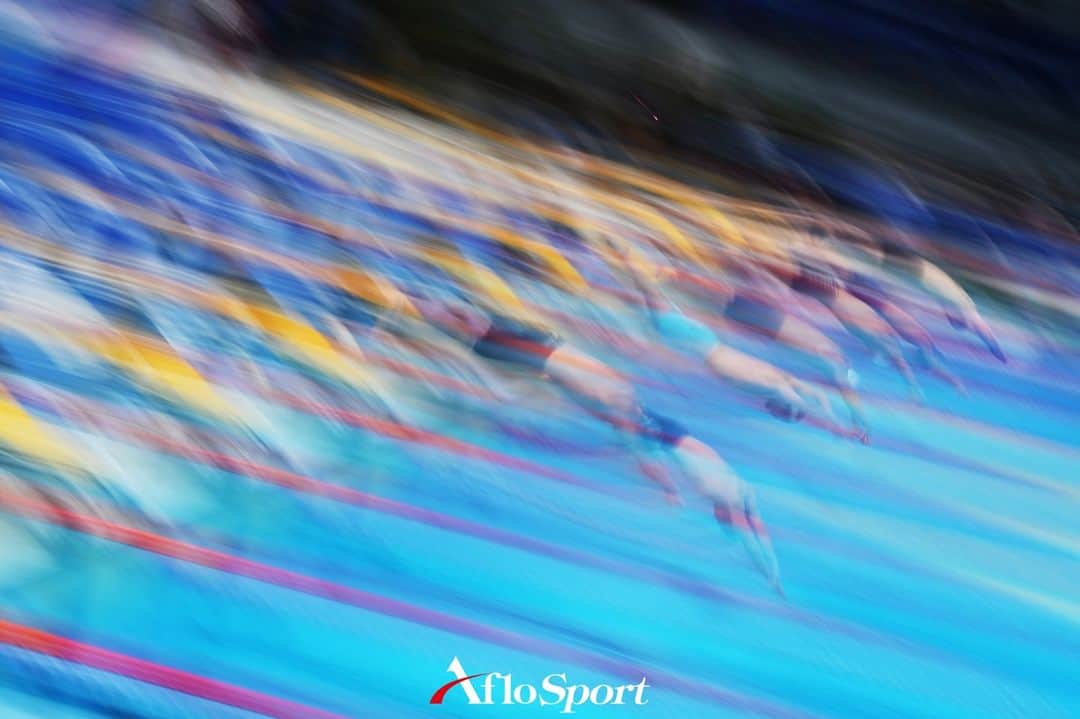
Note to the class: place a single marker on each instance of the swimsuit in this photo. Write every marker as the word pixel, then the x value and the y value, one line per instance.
pixel 898 249
pixel 662 429
pixel 868 289
pixel 816 279
pixel 683 333
pixel 763 316
pixel 517 342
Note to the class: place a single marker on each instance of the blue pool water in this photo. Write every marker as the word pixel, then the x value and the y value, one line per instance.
pixel 933 573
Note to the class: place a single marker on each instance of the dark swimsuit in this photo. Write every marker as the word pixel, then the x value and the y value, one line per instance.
pixel 816 279
pixel 901 249
pixel 760 314
pixel 662 429
pixel 867 289
pixel 516 342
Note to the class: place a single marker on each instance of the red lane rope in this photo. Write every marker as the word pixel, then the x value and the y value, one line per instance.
pixel 89 655
pixel 339 593
pixel 363 500
pixel 415 435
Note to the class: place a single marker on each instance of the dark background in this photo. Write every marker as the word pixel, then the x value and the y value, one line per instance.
pixel 987 90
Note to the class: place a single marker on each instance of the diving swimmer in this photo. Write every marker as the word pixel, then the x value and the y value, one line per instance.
pixel 604 393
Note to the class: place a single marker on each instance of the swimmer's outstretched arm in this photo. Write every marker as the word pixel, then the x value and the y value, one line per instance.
pixel 645 284
pixel 957 304
pixel 786 396
pixel 733 503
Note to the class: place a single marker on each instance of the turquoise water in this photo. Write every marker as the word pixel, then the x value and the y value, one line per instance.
pixel 933 573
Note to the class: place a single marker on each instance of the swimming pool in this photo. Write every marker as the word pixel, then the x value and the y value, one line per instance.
pixel 932 573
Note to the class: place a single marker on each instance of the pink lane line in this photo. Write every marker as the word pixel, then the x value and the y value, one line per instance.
pixel 296 482
pixel 69 650
pixel 232 564
pixel 414 435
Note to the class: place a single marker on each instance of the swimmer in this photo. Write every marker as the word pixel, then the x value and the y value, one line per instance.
pixel 956 304
pixel 871 292
pixel 892 247
pixel 604 393
pixel 785 396
pixel 883 196
pixel 809 274
pixel 758 304
pixel 892 250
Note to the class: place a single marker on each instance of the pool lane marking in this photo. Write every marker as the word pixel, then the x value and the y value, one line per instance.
pixel 38 641
pixel 414 435
pixel 474 274
pixel 347 495
pixel 298 337
pixel 226 563
pixel 296 482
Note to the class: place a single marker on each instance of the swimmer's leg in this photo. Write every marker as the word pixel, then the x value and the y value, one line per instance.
pixel 861 320
pixel 816 396
pixel 913 332
pixel 602 392
pixel 593 384
pixel 755 538
pixel 824 354
pixel 643 450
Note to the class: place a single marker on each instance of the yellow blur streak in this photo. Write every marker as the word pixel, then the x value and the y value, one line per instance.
pixel 23 433
pixel 561 268
pixel 659 186
pixel 297 339
pixel 162 369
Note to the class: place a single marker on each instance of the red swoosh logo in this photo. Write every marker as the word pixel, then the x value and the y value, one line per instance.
pixel 437 697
